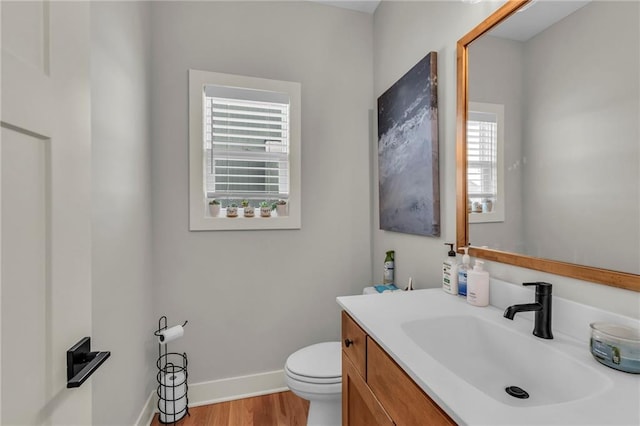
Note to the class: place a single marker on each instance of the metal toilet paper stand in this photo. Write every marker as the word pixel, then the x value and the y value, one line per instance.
pixel 173 402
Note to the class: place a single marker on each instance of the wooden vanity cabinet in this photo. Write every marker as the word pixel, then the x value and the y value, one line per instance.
pixel 360 407
pixel 354 344
pixel 376 391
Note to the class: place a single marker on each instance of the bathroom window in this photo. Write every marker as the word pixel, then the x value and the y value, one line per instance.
pixel 485 141
pixel 244 145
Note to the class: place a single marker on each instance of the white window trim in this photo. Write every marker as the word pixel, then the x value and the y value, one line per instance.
pixel 199 218
pixel 498 212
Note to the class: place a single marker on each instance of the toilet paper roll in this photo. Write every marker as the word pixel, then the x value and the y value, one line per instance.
pixel 174 384
pixel 170 334
pixel 170 411
pixel 173 397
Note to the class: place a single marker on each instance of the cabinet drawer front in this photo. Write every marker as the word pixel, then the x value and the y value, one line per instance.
pixel 405 402
pixel 359 406
pixel 354 344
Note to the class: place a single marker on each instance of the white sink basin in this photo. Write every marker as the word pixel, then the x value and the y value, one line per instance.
pixel 463 357
pixel 491 357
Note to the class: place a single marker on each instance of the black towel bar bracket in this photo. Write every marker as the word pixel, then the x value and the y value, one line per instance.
pixel 82 363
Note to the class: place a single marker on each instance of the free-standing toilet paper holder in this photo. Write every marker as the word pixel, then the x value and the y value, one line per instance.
pixel 173 402
pixel 82 363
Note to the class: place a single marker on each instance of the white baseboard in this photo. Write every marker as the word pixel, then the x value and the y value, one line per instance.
pixel 222 390
pixel 236 388
pixel 146 415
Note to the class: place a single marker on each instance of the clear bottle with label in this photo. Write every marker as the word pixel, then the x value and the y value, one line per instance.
pixel 463 269
pixel 478 285
pixel 450 271
pixel 389 267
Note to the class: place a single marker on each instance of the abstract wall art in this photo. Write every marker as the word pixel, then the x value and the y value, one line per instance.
pixel 409 181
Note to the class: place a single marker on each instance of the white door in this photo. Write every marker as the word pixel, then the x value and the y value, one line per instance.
pixel 45 259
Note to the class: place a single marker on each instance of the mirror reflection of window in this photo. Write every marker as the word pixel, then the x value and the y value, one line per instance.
pixel 485 141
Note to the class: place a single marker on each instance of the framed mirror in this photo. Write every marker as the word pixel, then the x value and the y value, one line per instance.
pixel 548 139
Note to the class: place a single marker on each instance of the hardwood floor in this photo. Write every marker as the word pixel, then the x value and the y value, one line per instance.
pixel 276 409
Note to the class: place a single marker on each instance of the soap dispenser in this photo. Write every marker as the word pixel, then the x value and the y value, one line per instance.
pixel 463 269
pixel 450 271
pixel 478 285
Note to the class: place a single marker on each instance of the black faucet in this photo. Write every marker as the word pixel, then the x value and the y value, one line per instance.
pixel 542 308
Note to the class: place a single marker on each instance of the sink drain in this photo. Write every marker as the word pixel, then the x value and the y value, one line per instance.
pixel 517 392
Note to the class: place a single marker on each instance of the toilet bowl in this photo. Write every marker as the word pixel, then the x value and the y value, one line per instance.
pixel 314 373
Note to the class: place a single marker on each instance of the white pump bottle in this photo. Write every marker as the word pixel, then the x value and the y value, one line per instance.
pixel 478 285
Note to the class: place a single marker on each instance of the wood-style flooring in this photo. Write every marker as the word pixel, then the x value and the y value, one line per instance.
pixel 276 409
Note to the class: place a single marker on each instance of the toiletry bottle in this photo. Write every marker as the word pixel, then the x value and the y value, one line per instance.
pixel 450 272
pixel 463 269
pixel 389 267
pixel 478 285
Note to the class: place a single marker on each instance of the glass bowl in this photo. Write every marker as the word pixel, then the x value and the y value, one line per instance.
pixel 616 346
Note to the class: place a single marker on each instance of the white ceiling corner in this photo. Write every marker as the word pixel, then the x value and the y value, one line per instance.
pixel 367 6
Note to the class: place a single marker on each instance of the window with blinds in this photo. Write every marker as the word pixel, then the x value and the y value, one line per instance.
pixel 482 156
pixel 246 141
pixel 485 170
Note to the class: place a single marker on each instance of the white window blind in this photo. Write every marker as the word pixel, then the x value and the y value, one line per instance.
pixel 482 156
pixel 247 145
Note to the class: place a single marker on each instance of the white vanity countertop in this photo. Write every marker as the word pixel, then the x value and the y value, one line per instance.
pixel 381 316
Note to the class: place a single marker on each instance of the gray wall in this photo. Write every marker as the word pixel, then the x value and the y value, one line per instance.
pixel 121 210
pixel 254 297
pixel 403 33
pixel 495 76
pixel 582 132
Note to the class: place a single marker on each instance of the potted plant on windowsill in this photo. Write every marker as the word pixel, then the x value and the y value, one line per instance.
pixel 232 210
pixel 265 209
pixel 214 208
pixel 247 209
pixel 281 207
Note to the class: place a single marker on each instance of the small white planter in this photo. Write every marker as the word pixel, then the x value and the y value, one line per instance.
pixel 265 211
pixel 232 211
pixel 214 210
pixel 281 209
pixel 248 211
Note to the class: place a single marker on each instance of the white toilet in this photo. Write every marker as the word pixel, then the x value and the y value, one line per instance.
pixel 315 374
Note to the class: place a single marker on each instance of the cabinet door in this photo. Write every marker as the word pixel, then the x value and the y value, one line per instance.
pixel 359 406
pixel 354 344
pixel 405 402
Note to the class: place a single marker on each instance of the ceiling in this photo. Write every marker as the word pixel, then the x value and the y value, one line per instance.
pixel 535 18
pixel 368 6
pixel 522 26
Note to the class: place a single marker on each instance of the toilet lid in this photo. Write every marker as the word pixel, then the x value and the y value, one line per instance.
pixel 322 360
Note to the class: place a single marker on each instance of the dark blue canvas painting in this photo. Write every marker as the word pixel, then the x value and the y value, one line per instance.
pixel 408 152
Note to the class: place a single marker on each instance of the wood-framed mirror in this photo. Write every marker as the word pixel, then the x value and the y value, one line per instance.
pixel 626 218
